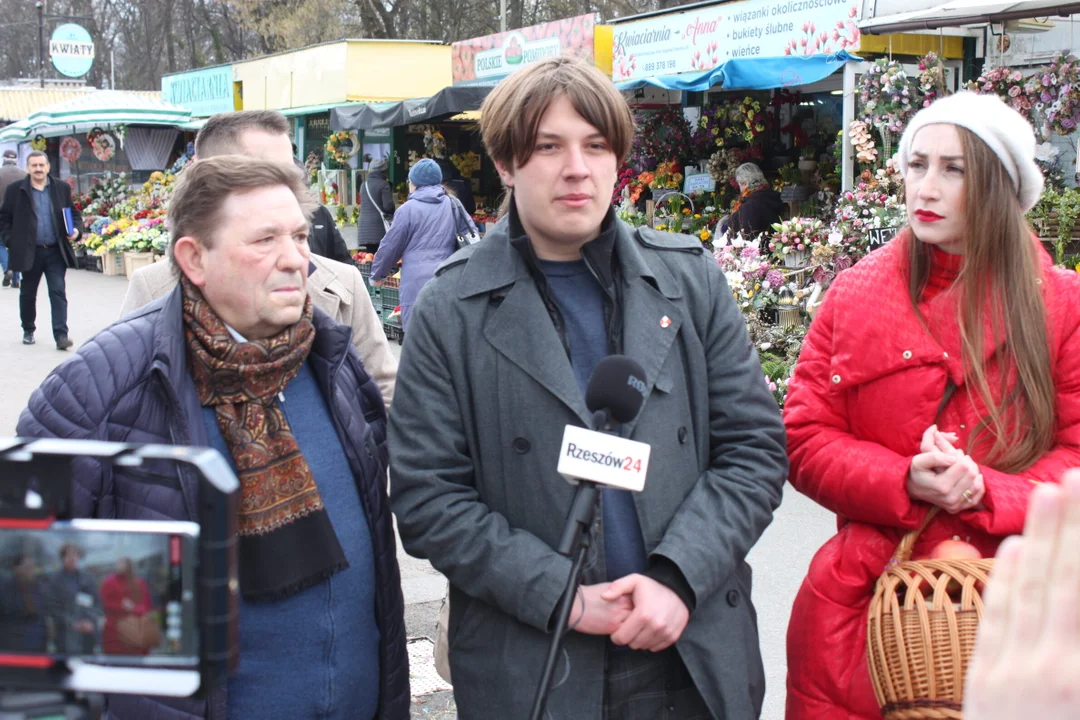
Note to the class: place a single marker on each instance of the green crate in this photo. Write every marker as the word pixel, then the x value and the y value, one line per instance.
pixel 391 298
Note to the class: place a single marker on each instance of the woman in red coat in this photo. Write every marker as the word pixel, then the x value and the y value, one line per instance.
pixel 126 600
pixel 942 370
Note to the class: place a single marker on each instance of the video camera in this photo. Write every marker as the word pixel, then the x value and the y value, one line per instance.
pixel 111 606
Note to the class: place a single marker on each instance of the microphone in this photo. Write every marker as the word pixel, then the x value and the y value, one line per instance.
pixel 590 459
pixel 617 385
pixel 615 394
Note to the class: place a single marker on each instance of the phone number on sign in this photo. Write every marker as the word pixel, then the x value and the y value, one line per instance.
pixel 659 65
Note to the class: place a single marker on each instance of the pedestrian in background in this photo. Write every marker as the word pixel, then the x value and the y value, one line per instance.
pixel 424 234
pixel 10 172
pixel 34 219
pixel 942 372
pixel 126 601
pixel 72 605
pixel 376 207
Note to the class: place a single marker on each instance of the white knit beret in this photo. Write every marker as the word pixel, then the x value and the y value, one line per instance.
pixel 1003 129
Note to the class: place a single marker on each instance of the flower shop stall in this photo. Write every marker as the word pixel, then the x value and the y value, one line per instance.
pixel 440 127
pixel 105 131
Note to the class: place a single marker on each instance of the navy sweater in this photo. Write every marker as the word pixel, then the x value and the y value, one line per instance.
pixel 581 301
pixel 315 653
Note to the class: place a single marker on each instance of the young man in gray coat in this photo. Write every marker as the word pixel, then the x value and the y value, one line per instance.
pixel 500 348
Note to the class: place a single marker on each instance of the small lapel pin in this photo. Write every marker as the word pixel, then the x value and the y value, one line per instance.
pixel 665 322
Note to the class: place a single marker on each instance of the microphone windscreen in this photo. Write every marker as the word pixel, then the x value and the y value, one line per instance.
pixel 617 384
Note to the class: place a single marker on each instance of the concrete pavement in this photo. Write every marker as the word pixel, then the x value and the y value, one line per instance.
pixel 779 560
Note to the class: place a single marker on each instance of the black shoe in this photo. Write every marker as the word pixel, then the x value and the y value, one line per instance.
pixel 63 343
pixel 28 339
pixel 7 277
pixel 15 285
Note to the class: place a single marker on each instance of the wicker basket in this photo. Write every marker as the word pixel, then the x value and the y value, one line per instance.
pixel 921 632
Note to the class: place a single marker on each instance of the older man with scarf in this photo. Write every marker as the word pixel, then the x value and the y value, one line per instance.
pixel 237 358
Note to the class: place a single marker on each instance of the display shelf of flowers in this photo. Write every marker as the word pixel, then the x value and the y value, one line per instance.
pixel 132 233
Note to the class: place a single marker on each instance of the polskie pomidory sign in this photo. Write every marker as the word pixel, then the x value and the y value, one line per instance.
pixel 489 58
pixel 702 39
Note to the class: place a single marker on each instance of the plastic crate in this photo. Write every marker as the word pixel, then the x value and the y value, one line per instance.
pixel 391 298
pixel 365 269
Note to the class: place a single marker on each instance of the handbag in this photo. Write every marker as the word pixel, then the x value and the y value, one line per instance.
pixel 139 631
pixel 385 222
pixel 442 640
pixel 466 236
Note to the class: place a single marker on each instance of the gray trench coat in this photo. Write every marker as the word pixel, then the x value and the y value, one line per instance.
pixel 484 391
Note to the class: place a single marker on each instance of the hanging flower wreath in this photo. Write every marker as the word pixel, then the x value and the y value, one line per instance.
pixel 104 148
pixel 336 146
pixel 887 97
pixel 662 135
pixel 39 143
pixel 70 149
pixel 102 144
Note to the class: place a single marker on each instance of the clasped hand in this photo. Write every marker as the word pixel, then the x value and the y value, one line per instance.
pixel 943 475
pixel 636 611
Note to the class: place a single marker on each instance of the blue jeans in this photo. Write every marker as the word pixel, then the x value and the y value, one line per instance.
pixel 48 261
pixel 4 261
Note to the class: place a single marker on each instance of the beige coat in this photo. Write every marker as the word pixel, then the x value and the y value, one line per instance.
pixel 336 288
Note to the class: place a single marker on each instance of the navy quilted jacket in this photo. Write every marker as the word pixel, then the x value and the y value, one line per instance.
pixel 130 384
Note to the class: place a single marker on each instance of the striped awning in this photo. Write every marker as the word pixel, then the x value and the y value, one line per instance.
pixel 103 109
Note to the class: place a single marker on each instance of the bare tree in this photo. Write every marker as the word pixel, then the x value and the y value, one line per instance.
pixel 149 38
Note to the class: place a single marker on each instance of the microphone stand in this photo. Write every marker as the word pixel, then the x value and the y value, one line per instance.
pixel 576 540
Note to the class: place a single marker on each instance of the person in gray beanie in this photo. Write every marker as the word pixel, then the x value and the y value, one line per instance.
pixel 938 386
pixel 424 233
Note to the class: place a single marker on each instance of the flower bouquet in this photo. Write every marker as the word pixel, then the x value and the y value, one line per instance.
pixel 792 240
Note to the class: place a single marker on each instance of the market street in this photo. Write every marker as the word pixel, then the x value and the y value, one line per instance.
pixel 779 560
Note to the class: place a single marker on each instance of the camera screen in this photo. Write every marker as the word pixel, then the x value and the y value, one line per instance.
pixel 97 594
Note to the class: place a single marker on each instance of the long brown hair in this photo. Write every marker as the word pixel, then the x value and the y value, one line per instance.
pixel 1000 281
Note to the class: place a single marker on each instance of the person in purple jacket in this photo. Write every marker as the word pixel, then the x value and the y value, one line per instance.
pixel 423 235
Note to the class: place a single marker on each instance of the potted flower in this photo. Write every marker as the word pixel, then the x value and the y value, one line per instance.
pixel 793 240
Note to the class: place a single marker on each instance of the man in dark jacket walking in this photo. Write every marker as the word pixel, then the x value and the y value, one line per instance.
pixel 376 207
pixel 237 358
pixel 33 225
pixel 498 354
pixel 10 172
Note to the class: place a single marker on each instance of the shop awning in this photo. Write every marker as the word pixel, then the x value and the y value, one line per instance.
pixel 751 74
pixel 890 18
pixel 448 102
pixel 315 109
pixel 15 132
pixel 104 109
